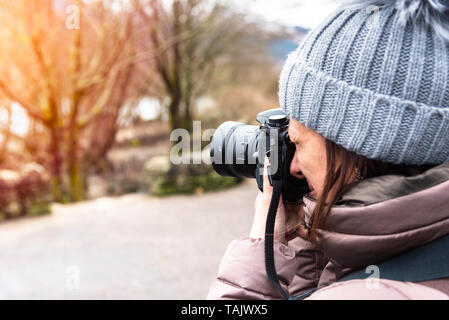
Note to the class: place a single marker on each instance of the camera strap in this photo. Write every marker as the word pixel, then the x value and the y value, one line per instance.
pixel 269 238
pixel 270 267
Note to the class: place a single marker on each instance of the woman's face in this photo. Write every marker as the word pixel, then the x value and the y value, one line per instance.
pixel 309 161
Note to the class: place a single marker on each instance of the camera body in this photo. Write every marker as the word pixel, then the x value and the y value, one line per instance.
pixel 239 150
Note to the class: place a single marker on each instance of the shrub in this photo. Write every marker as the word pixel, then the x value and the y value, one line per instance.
pixel 163 180
pixel 25 192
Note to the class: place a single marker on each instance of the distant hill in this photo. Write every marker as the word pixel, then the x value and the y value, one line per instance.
pixel 302 30
pixel 281 47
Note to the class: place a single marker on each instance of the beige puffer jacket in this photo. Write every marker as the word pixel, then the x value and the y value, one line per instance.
pixel 377 219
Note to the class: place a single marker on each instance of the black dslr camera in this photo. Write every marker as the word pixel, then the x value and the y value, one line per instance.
pixel 239 150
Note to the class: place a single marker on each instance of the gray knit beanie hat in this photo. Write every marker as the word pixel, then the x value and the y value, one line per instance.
pixel 374 78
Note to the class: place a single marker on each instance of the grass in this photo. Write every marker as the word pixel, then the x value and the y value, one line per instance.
pixel 37 208
pixel 165 186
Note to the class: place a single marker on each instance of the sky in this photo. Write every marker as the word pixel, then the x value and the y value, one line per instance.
pixel 19 119
pixel 304 13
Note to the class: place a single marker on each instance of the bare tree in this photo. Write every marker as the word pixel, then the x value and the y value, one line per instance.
pixel 67 78
pixel 197 36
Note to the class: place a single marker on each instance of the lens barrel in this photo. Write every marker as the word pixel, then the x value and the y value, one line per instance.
pixel 234 149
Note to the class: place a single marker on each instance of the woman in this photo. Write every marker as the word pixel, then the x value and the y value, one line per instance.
pixel 368 96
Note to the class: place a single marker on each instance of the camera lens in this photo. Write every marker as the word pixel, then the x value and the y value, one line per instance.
pixel 234 149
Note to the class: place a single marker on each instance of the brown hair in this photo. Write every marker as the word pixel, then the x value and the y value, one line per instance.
pixel 344 169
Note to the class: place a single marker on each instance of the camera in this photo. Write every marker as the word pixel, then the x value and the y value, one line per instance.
pixel 239 150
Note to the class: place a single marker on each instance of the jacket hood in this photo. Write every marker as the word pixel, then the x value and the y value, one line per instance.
pixel 383 216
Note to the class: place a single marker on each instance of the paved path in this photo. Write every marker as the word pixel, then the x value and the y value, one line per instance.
pixel 130 247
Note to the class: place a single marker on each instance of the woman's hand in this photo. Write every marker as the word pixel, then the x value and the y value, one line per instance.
pixel 289 218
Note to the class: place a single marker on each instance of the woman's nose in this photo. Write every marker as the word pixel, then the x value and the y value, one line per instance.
pixel 295 169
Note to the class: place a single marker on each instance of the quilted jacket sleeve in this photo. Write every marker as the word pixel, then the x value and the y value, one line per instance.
pixel 242 275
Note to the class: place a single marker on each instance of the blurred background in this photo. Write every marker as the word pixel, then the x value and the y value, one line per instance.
pixel 91 207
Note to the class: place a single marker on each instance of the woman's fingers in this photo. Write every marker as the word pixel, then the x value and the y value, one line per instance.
pixel 302 232
pixel 290 217
pixel 295 222
pixel 267 188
